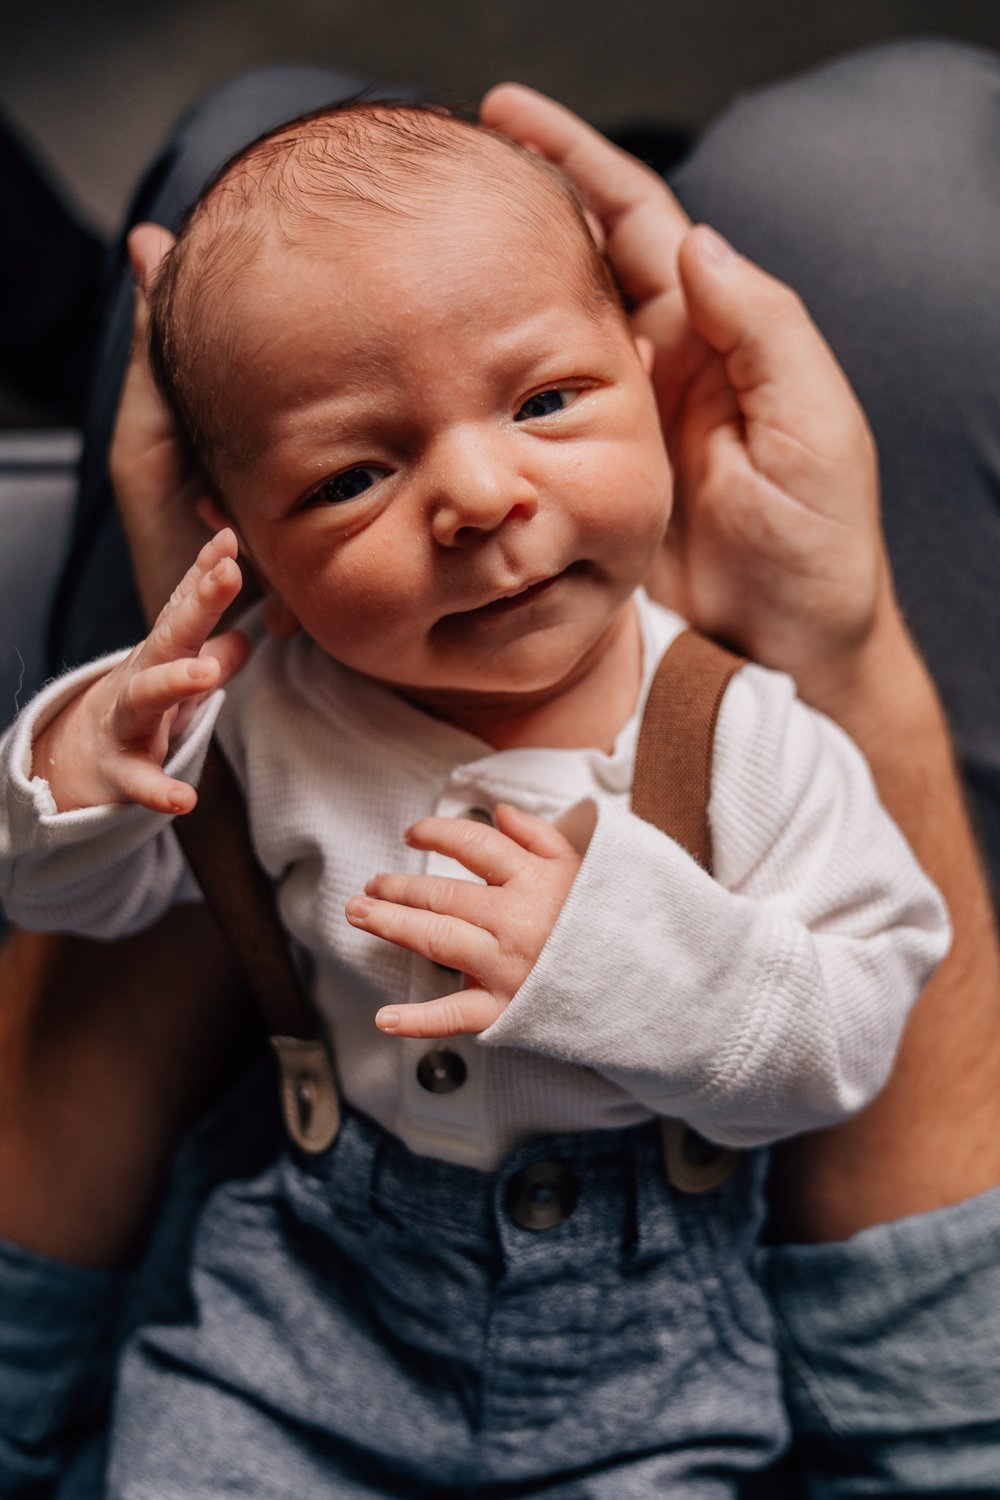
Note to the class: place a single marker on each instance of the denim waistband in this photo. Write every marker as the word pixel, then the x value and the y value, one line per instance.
pixel 616 1179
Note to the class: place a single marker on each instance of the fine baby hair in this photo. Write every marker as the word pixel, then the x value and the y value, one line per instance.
pixel 350 167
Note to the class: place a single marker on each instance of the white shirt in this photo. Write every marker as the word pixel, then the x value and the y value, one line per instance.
pixel 764 1001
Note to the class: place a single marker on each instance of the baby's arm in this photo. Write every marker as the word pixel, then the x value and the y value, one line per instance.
pixel 752 1011
pixel 68 854
pixel 109 743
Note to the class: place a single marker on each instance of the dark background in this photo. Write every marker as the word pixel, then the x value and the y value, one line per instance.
pixel 95 83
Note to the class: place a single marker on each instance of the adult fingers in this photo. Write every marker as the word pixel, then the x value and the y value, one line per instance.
pixel 453 1015
pixel 782 371
pixel 642 219
pixel 148 245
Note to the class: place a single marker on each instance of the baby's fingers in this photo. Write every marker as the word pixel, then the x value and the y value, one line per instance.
pixel 147 695
pixel 139 780
pixel 452 1015
pixel 532 833
pixel 197 604
pixel 447 941
pixel 465 899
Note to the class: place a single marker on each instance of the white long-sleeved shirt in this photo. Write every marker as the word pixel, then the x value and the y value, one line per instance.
pixel 764 1001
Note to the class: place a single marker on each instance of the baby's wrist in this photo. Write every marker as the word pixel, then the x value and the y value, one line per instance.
pixel 57 760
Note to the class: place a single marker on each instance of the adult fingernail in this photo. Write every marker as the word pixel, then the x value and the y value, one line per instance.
pixel 712 248
pixel 387 1020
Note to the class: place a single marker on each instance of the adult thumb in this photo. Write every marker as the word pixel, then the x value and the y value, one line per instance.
pixel 776 359
pixel 147 246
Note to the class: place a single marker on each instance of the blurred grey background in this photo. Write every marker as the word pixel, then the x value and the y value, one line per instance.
pixel 96 83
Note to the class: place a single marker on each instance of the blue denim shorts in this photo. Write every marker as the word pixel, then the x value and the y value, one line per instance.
pixel 374 1323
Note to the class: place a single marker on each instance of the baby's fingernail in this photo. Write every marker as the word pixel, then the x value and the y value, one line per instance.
pixel 387 1020
pixel 712 248
pixel 357 907
pixel 198 671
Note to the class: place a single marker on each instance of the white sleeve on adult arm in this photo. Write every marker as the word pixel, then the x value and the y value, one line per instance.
pixel 768 1000
pixel 99 871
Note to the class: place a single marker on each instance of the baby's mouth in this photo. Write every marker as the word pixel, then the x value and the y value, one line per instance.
pixel 519 598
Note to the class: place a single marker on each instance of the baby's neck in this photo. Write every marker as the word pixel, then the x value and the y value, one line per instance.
pixel 588 711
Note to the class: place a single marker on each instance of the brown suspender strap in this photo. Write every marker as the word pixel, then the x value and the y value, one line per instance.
pixel 673 759
pixel 671 784
pixel 216 842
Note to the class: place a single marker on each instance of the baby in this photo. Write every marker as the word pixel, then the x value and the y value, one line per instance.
pixel 400 359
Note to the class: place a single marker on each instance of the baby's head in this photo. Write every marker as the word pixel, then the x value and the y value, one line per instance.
pixel 402 362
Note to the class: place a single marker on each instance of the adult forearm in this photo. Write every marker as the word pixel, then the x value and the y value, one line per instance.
pixel 932 1137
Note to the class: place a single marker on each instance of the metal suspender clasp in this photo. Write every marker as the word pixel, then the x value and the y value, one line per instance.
pixel 309 1099
pixel 693 1164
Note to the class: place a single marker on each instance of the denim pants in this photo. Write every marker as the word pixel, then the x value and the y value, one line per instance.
pixel 373 1323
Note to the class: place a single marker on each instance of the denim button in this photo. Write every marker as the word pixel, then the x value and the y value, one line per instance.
pixel 542 1195
pixel 441 1071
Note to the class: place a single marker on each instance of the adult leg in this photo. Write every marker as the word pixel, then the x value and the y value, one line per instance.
pixel 870 186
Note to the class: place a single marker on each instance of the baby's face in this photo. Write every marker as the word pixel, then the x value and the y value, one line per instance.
pixel 445 458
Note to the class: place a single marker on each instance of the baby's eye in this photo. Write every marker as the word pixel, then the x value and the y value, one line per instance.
pixel 349 484
pixel 544 404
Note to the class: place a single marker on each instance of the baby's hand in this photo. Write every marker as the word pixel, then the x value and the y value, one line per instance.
pixel 491 933
pixel 109 743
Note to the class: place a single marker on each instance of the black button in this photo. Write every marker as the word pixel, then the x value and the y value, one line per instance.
pixel 479 815
pixel 441 1072
pixel 542 1196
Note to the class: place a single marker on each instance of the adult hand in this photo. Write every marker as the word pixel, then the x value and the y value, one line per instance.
pixel 156 484
pixel 775 543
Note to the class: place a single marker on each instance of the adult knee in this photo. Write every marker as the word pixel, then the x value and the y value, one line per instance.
pixel 886 156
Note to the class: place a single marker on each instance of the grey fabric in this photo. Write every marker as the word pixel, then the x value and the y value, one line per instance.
pixel 37 494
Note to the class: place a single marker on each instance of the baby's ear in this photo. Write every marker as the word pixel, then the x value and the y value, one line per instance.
pixel 215 518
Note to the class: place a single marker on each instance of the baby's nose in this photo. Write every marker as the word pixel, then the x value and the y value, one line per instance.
pixel 474 490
